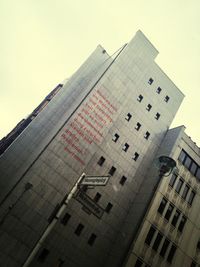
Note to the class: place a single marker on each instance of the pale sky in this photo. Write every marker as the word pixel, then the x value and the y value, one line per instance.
pixel 45 41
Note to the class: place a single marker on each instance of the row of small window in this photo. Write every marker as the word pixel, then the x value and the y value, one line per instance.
pixel 189 163
pixel 166 209
pixel 187 193
pixel 149 106
pixel 154 239
pixel 158 90
pixel 112 170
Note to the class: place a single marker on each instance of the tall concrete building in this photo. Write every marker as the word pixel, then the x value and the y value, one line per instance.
pixel 109 118
pixel 169 233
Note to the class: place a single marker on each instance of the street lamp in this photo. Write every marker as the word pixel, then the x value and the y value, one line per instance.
pixel 165 165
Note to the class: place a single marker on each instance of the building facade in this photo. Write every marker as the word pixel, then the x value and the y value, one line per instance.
pixel 169 234
pixel 109 118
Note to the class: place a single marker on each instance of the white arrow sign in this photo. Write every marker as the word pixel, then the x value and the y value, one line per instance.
pixel 95 180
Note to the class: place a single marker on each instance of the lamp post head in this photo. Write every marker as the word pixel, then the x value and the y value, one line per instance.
pixel 165 165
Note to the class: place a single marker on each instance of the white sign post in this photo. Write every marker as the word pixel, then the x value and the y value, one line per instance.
pixel 95 180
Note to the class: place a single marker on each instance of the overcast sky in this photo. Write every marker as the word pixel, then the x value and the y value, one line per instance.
pixel 45 41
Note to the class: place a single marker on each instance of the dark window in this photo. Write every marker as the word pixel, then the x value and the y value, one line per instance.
pixel 158 90
pixel 157 116
pixel 169 212
pixel 140 97
pixel 115 137
pixel 164 248
pixel 123 180
pixel 166 98
pixel 157 241
pixel 92 239
pixel 162 206
pixel 135 156
pixel 150 235
pixel 97 197
pixel 101 161
pixel 148 107
pixel 128 117
pixel 191 197
pixel 125 147
pixel 65 218
pixel 198 173
pixel 193 168
pixel 112 170
pixel 150 81
pixel 108 207
pixel 175 218
pixel 182 223
pixel 138 125
pixel 171 253
pixel 146 136
pixel 179 185
pixel 138 263
pixel 43 255
pixel 185 191
pixel 173 179
pixel 79 229
pixel 182 156
pixel 188 162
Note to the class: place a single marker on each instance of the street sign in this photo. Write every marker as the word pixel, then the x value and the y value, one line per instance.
pixel 89 204
pixel 95 180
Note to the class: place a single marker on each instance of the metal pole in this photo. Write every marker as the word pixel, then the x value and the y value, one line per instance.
pixel 53 222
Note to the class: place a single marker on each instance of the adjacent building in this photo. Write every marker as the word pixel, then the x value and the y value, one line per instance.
pixel 112 117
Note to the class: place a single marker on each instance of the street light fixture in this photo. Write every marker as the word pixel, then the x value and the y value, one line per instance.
pixel 165 165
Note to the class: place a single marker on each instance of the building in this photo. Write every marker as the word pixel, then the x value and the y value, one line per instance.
pixel 110 117
pixel 169 234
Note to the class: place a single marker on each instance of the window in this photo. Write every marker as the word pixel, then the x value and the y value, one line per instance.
pixel 146 136
pixel 101 161
pixel 179 185
pixel 112 170
pixel 191 197
pixel 43 255
pixel 182 223
pixel 139 99
pixel 138 125
pixel 150 235
pixel 123 180
pixel 148 107
pixel 150 81
pixel 182 156
pixel 79 229
pixel 171 253
pixel 135 156
pixel 193 168
pixel 125 147
pixel 185 191
pixel 158 90
pixel 162 206
pixel 92 239
pixel 97 197
pixel 175 218
pixel 166 98
pixel 164 247
pixel 157 241
pixel 157 116
pixel 198 244
pixel 128 117
pixel 65 218
pixel 188 162
pixel 138 263
pixel 198 173
pixel 108 207
pixel 115 137
pixel 193 264
pixel 173 179
pixel 169 212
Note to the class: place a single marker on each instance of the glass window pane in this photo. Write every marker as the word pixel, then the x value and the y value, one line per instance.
pixel 193 168
pixel 169 212
pixel 179 185
pixel 162 206
pixel 182 223
pixel 171 253
pixel 173 179
pixel 157 241
pixel 182 156
pixel 185 191
pixel 150 235
pixel 164 247
pixel 187 162
pixel 191 197
pixel 198 173
pixel 175 218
